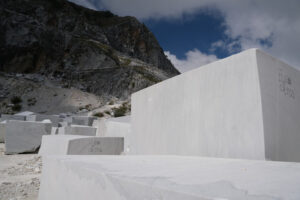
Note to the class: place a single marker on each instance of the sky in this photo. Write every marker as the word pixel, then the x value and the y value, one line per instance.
pixel 196 32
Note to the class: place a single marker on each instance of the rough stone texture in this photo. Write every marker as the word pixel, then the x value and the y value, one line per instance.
pixel 94 51
pixel 81 145
pixel 77 130
pixel 244 106
pixel 167 177
pixel 24 137
pixel 19 176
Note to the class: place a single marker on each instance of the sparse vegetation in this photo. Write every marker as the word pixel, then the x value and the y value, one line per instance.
pixel 16 100
pixel 120 111
pixel 31 101
pixel 111 102
pixel 17 107
pixel 99 114
pixel 107 112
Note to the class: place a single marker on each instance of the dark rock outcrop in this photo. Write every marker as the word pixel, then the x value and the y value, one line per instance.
pixel 95 51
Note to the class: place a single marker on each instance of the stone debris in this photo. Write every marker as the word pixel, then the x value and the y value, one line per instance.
pixel 19 176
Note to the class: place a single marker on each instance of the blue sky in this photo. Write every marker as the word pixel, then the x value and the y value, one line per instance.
pixel 196 32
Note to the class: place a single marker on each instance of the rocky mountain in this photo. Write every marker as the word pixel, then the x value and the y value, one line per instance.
pixel 74 47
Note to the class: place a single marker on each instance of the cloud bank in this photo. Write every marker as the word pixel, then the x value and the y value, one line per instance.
pixel 271 25
pixel 194 59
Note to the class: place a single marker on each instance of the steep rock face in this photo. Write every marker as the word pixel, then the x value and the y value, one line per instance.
pixel 94 51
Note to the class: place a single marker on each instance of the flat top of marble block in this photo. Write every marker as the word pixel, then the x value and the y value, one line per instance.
pixel 197 176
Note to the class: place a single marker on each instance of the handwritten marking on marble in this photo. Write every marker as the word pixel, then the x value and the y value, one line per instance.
pixel 285 84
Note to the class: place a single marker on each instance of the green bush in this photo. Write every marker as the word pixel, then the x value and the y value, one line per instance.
pixel 121 111
pixel 99 114
pixel 16 100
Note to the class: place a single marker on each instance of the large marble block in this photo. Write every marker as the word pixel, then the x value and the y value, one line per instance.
pixel 12 117
pixel 83 120
pixel 244 106
pixel 81 145
pixel 24 136
pixel 114 127
pixel 167 177
pixel 77 130
pixel 55 119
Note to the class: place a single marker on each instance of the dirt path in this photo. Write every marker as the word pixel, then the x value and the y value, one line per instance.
pixel 19 176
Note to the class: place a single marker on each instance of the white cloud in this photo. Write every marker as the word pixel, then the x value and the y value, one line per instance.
pixel 194 59
pixel 86 4
pixel 247 22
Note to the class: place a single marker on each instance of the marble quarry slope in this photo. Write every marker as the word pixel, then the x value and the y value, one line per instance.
pixel 94 51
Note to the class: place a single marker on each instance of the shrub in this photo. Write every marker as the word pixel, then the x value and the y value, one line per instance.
pixel 16 100
pixel 31 102
pixel 121 111
pixel 107 112
pixel 99 114
pixel 16 107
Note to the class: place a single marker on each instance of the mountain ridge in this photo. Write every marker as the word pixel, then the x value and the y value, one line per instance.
pixel 94 51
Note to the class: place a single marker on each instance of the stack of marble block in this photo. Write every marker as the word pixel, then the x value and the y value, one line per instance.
pixel 227 130
pixel 28 132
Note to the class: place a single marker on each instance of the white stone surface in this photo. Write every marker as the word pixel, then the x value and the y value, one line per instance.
pixel 23 136
pixel 77 130
pixel 243 106
pixel 83 120
pixel 55 119
pixel 114 127
pixel 167 177
pixel 12 117
pixel 81 145
pixel 2 131
pixel 25 113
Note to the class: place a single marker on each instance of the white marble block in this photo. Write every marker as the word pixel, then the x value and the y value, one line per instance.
pixel 81 145
pixel 12 117
pixel 77 130
pixel 83 120
pixel 167 177
pixel 244 106
pixel 55 119
pixel 114 127
pixel 24 137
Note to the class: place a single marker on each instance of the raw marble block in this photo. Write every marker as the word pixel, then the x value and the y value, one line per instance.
pixel 167 177
pixel 12 117
pixel 83 120
pixel 24 136
pixel 244 106
pixel 81 145
pixel 77 130
pixel 55 119
pixel 114 127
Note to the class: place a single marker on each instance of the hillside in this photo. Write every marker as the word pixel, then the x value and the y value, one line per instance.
pixel 73 47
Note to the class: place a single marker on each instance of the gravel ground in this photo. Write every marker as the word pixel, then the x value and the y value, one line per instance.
pixel 19 176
